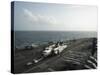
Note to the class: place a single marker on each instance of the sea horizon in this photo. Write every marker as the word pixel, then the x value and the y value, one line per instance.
pixel 39 37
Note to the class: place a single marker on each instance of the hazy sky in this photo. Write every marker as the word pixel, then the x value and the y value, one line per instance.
pixel 54 17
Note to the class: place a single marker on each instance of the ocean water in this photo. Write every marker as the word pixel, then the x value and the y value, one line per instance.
pixel 23 38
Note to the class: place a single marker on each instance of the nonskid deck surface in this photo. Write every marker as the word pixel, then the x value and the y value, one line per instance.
pixel 74 55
